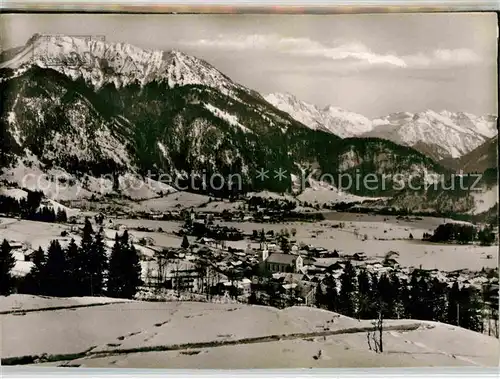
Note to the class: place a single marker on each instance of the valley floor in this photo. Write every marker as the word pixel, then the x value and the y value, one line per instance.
pixel 383 234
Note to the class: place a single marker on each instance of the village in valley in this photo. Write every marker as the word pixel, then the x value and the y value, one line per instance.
pixel 278 252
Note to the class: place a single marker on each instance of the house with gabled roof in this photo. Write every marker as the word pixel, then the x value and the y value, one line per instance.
pixel 278 262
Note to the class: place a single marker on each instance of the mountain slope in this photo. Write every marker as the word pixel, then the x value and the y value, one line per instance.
pixel 174 115
pixel 468 194
pixel 331 119
pixel 480 159
pixel 51 119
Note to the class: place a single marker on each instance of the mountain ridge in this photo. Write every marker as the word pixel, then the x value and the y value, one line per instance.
pixel 330 119
pixel 439 135
pixel 99 62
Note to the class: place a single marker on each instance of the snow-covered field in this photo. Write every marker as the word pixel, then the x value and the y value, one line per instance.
pixel 33 233
pixel 172 202
pixel 204 335
pixel 138 188
pixel 337 352
pixel 17 303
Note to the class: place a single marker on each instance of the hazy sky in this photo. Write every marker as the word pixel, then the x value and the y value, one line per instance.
pixel 371 64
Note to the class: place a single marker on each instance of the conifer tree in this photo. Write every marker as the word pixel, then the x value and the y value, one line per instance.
pixel 374 281
pixel 405 299
pixel 185 243
pixel 284 244
pixel 364 296
pixel 133 272
pixel 319 296
pixel 124 276
pixel 87 259
pixel 7 263
pixel 438 291
pixel 33 200
pixel 347 305
pixel 422 299
pixel 469 312
pixel 486 236
pixel 61 216
pixel 332 295
pixel 36 278
pixel 75 266
pixel 252 299
pixel 56 270
pixel 124 240
pixel 453 304
pixel 114 274
pixel 417 300
pixel 386 295
pixel 426 303
pixel 398 301
pixel 98 264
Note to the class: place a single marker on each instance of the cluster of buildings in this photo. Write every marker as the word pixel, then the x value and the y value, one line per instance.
pixel 210 266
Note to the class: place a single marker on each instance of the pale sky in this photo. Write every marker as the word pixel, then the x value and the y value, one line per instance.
pixel 371 64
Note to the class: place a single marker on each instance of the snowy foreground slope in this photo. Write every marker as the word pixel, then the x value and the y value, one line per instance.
pixel 204 335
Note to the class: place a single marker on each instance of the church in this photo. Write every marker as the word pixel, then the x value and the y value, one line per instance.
pixel 279 262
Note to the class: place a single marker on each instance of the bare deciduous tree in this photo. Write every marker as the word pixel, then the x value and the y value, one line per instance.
pixel 376 336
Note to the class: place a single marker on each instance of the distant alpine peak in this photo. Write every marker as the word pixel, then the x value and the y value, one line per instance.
pixel 445 133
pixel 439 134
pixel 332 119
pixel 100 62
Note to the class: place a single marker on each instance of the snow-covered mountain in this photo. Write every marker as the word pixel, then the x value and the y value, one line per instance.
pixel 99 62
pixel 331 119
pixel 438 134
pixel 109 112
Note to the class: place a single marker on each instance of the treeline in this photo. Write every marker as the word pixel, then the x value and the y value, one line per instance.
pixel 78 270
pixel 287 216
pixel 461 233
pixel 272 204
pixel 97 168
pixel 216 232
pixel 364 295
pixel 30 208
pixel 7 263
pixel 361 208
pixel 279 210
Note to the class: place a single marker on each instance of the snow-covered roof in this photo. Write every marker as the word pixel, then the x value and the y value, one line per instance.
pixel 279 258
